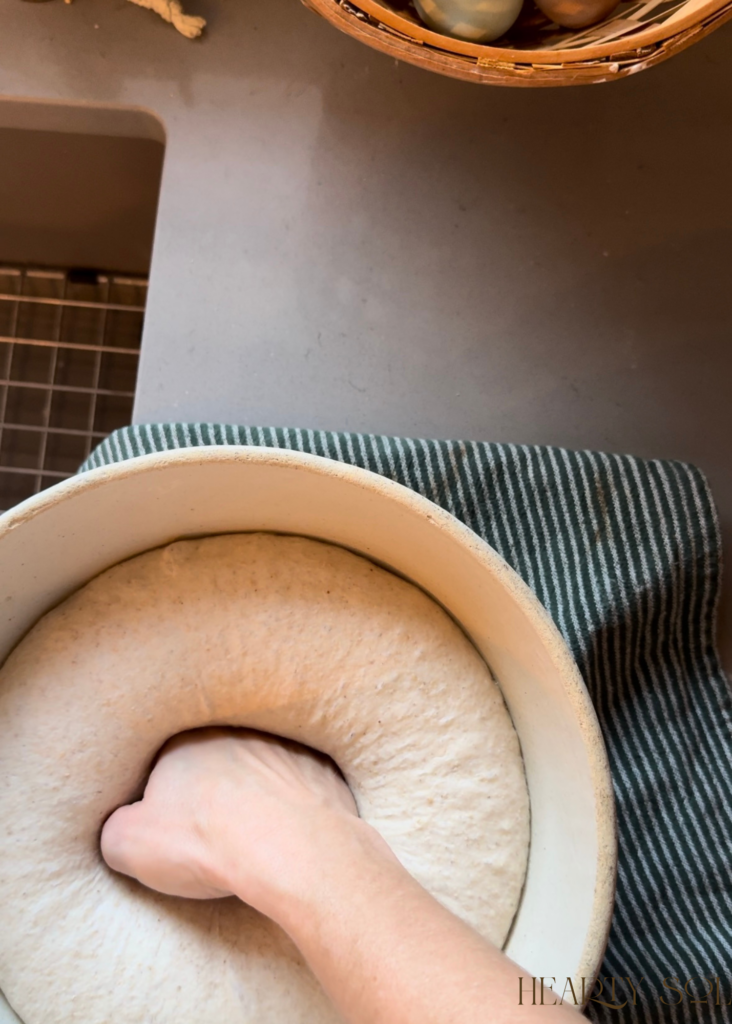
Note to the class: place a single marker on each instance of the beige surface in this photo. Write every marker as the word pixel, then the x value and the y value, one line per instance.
pixel 282 634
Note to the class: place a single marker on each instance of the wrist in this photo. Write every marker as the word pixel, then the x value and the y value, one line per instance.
pixel 334 855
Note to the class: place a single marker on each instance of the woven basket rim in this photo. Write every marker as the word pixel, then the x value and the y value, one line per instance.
pixel 629 44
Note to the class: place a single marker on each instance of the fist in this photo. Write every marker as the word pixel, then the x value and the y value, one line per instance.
pixel 227 811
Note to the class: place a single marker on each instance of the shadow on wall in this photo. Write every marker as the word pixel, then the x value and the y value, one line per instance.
pixel 78 186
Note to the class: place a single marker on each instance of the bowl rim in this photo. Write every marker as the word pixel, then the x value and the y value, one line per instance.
pixel 556 647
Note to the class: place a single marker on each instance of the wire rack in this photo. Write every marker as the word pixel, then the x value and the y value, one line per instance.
pixel 69 350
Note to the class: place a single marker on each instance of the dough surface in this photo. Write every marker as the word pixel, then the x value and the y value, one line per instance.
pixel 284 634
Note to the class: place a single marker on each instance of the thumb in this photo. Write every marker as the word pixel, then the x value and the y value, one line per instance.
pixel 120 838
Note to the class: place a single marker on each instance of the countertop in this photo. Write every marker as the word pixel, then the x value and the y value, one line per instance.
pixel 347 242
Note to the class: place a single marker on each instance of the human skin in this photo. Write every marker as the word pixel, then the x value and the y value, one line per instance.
pixel 233 812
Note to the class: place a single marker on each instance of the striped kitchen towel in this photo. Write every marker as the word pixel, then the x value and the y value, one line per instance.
pixel 625 555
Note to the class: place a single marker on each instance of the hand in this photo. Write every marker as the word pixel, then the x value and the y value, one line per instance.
pixel 228 810
pixel 234 812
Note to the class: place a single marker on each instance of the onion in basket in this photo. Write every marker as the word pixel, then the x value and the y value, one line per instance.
pixel 478 21
pixel 577 13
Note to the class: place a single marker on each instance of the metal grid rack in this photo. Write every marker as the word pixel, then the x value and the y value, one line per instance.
pixel 69 349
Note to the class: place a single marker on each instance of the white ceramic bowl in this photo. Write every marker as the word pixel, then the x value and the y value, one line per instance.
pixel 55 542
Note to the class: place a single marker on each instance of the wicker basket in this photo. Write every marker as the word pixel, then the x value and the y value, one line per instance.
pixel 535 52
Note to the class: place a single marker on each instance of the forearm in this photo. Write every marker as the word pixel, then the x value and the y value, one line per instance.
pixel 386 952
pixel 237 813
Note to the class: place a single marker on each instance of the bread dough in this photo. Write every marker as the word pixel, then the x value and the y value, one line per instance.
pixel 283 634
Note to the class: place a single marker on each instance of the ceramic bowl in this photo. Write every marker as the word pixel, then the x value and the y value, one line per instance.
pixel 55 542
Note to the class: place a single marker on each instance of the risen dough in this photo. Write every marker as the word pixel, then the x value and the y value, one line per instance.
pixel 283 634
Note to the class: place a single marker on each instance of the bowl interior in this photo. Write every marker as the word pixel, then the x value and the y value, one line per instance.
pixel 57 541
